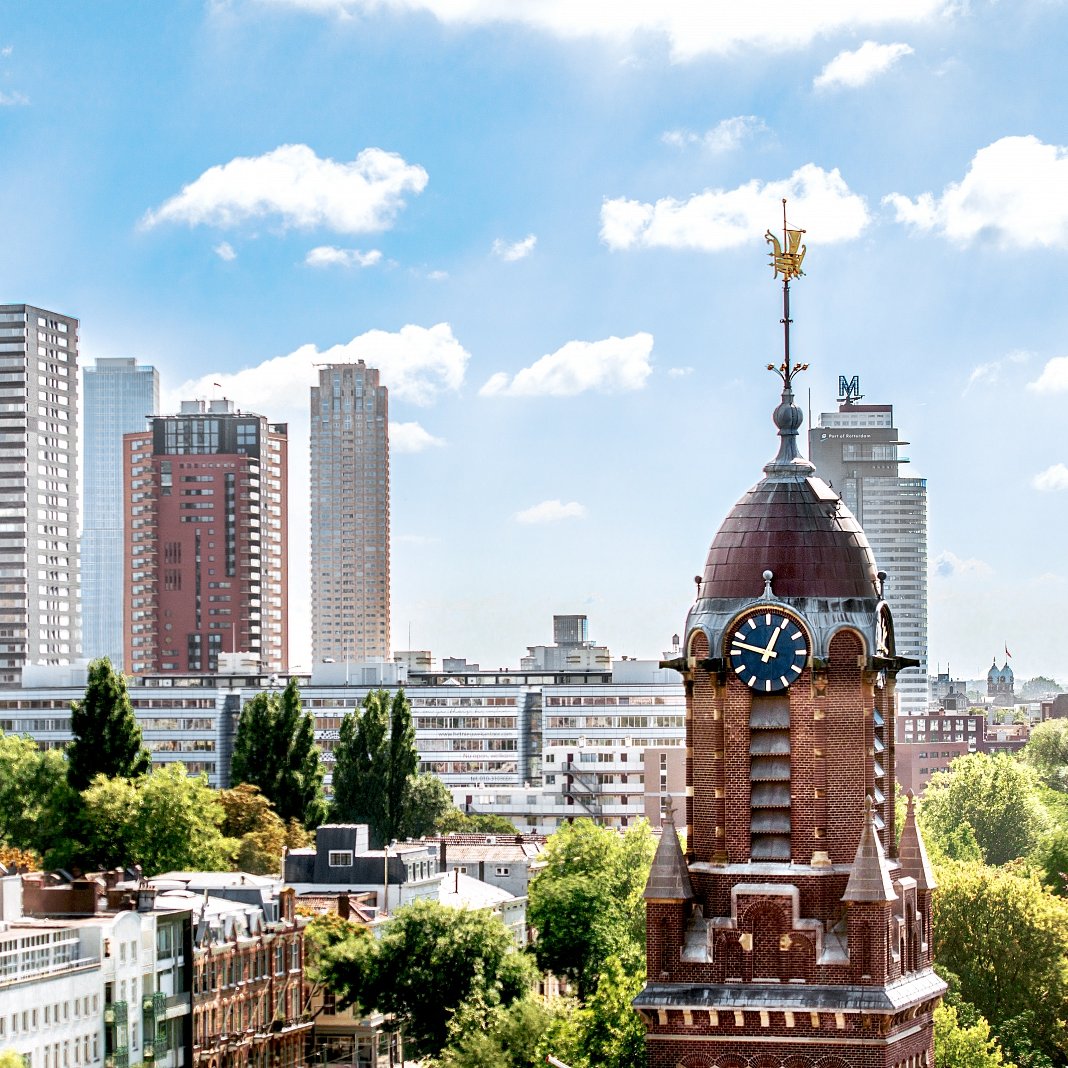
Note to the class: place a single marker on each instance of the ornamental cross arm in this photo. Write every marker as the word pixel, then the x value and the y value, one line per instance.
pixel 787 262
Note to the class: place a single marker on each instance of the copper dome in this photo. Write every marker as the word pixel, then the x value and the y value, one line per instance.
pixel 797 527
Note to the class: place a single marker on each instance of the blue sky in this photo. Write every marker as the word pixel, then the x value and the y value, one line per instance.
pixel 543 220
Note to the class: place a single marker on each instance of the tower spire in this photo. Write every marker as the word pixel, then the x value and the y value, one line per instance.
pixel 786 260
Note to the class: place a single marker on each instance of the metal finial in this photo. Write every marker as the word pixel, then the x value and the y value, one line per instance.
pixel 768 576
pixel 786 260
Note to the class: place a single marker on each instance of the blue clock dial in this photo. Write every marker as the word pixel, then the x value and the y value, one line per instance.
pixel 766 649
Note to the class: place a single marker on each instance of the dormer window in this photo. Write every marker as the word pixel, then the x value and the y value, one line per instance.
pixel 339 858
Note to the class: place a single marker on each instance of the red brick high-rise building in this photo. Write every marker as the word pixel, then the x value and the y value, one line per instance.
pixel 794 932
pixel 206 546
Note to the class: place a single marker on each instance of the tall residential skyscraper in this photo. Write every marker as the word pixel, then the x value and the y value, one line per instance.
pixel 40 609
pixel 349 514
pixel 857 450
pixel 206 565
pixel 119 398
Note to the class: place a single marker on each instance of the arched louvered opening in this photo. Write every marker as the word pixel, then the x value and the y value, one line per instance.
pixel 769 777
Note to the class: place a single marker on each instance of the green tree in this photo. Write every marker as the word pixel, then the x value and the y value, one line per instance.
pixel 1039 686
pixel 403 765
pixel 375 762
pixel 164 821
pixel 1006 940
pixel 35 799
pixel 1047 752
pixel 515 1036
pixel 994 795
pixel 107 736
pixel 274 749
pixel 429 803
pixel 612 1034
pixel 959 1046
pixel 456 822
pixel 256 830
pixel 586 903
pixel 430 962
pixel 10 1059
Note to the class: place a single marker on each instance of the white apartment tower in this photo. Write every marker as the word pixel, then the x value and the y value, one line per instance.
pixel 857 450
pixel 40 604
pixel 119 397
pixel 349 514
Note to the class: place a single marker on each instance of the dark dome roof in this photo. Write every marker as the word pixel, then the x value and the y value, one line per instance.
pixel 798 528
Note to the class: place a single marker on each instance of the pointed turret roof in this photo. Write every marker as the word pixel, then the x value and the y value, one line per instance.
pixel 869 880
pixel 911 851
pixel 669 877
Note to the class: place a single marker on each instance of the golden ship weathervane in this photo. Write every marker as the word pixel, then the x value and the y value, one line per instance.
pixel 786 259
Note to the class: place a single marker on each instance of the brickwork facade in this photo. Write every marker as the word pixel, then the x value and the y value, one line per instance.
pixel 249 997
pixel 791 933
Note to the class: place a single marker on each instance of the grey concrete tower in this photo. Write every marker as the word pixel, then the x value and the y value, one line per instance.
pixel 858 451
pixel 349 514
pixel 40 604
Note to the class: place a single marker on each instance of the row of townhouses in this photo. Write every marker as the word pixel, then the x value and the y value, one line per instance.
pixel 207 969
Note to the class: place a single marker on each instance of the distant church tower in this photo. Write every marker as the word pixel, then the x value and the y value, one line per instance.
pixel 793 933
pixel 1000 684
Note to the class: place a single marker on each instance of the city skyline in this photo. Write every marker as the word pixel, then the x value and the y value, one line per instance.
pixel 546 231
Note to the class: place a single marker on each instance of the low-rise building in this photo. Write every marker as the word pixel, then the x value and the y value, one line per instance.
pixel 929 743
pixel 93 972
pixel 507 862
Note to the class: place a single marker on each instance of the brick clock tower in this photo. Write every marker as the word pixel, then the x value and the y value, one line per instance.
pixel 795 932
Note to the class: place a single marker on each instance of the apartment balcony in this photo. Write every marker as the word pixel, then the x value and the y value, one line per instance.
pixel 116 1014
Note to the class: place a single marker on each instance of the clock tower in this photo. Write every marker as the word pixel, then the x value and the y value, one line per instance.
pixel 795 931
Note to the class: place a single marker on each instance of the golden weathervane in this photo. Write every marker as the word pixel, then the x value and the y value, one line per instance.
pixel 790 253
pixel 786 259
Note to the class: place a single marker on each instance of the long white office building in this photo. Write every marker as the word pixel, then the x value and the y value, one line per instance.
pixel 537 745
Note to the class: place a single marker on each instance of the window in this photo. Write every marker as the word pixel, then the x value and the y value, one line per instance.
pixel 504 871
pixel 340 858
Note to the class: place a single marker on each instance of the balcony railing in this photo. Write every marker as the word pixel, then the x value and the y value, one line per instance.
pixel 115 1014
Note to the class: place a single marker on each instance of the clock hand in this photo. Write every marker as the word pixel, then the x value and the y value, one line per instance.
pixel 768 654
pixel 753 649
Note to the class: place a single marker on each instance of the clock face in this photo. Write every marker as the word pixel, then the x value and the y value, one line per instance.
pixel 767 650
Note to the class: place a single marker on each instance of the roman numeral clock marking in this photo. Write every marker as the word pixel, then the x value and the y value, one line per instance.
pixel 767 649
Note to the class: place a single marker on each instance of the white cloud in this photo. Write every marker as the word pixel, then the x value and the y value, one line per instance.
pixel 727 218
pixel 329 256
pixel 1054 377
pixel 551 512
pixel 225 251
pixel 679 372
pixel 850 70
pixel 7 50
pixel 417 364
pixel 411 437
pixel 293 184
pixel 13 100
pixel 613 365
pixel 437 276
pixel 1053 478
pixel 515 251
pixel 949 565
pixel 1012 194
pixel 989 373
pixel 690 28
pixel 726 135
